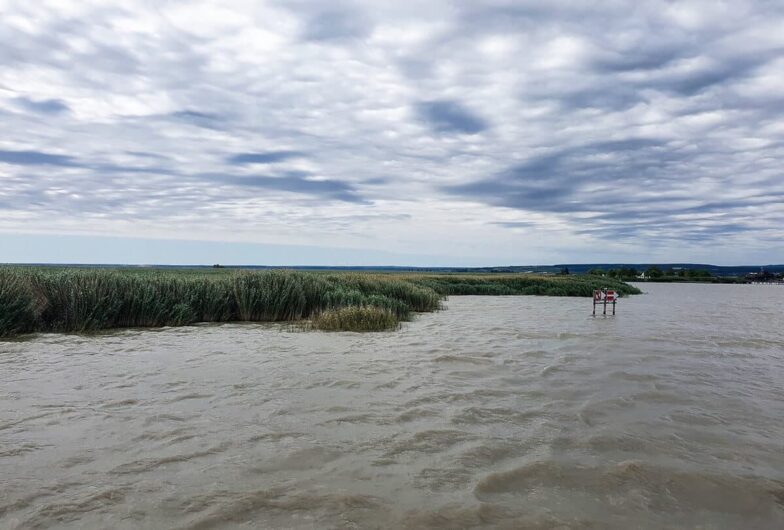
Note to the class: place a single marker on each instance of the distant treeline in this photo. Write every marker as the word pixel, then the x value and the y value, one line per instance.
pixel 652 273
pixel 674 269
pixel 655 274
pixel 79 300
pixel 579 268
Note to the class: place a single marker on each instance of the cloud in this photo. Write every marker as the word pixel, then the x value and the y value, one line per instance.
pixel 450 117
pixel 36 158
pixel 294 182
pixel 44 106
pixel 620 190
pixel 459 129
pixel 269 157
pixel 562 181
pixel 641 59
pixel 515 224
pixel 199 119
pixel 336 23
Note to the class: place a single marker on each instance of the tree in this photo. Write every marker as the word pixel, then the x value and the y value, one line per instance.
pixel 654 272
pixel 564 271
pixel 596 272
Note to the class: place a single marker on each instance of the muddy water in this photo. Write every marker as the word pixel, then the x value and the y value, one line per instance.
pixel 516 412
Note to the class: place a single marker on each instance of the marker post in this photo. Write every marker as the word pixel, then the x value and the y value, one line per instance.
pixel 604 296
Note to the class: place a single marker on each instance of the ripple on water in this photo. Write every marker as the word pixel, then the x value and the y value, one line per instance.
pixel 417 413
pixel 280 508
pixel 462 359
pixel 499 413
pixel 308 458
pixel 488 415
pixel 639 486
pixel 428 441
pixel 149 464
pixel 79 501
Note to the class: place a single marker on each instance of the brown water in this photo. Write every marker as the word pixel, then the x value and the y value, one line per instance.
pixel 516 412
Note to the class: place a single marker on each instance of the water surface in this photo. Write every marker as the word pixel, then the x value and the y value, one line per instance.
pixel 500 412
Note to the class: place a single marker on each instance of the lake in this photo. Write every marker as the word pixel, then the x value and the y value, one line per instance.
pixel 499 412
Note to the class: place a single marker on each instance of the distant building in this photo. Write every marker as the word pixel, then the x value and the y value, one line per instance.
pixel 761 276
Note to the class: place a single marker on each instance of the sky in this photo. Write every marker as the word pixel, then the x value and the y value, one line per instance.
pixel 392 132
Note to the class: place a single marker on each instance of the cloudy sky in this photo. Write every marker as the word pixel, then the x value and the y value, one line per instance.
pixel 421 133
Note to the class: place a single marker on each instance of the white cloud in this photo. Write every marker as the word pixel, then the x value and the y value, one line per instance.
pixel 496 132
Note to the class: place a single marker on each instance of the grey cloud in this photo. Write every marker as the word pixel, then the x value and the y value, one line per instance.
pixel 639 59
pixel 377 181
pixel 613 186
pixel 105 168
pixel 36 158
pixel 608 123
pixel 147 155
pixel 515 224
pixel 609 89
pixel 450 117
pixel 293 182
pixel 43 106
pixel 617 99
pixel 669 230
pixel 336 23
pixel 21 46
pixel 268 157
pixel 40 158
pixel 659 65
pixel 200 119
pixel 677 220
pixel 694 82
pixel 415 67
pixel 503 17
pixel 552 182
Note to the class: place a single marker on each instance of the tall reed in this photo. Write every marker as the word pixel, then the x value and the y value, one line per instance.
pixel 17 303
pixel 90 299
pixel 356 319
pixel 73 299
pixel 519 284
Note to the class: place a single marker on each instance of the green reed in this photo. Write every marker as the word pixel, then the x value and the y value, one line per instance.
pixel 84 299
pixel 520 284
pixel 356 318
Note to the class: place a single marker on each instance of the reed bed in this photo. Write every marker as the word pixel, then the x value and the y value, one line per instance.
pixel 356 318
pixel 82 300
pixel 520 284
